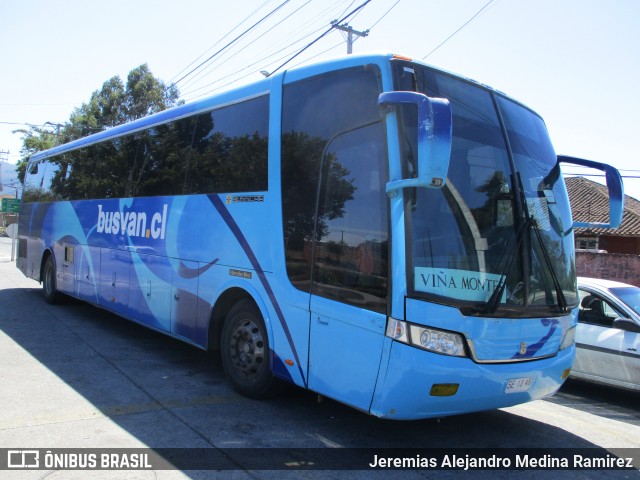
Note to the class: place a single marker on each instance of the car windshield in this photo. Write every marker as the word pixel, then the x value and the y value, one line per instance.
pixel 630 296
pixel 503 215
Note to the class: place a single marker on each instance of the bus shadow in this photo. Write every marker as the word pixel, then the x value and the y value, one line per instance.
pixel 601 400
pixel 167 394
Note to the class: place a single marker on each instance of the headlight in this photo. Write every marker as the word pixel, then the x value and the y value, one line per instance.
pixel 438 341
pixel 569 338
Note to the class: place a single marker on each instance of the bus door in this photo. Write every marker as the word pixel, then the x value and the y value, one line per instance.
pixel 66 281
pixel 151 294
pixel 349 293
pixel 163 293
pixel 344 351
pixel 113 284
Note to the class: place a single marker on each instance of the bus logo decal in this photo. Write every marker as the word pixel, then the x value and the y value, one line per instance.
pixel 531 350
pixel 133 224
pixel 523 348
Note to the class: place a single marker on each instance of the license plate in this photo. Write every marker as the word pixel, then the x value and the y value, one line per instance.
pixel 516 385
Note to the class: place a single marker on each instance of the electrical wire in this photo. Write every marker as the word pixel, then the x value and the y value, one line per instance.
pixel 261 60
pixel 220 40
pixel 271 51
pixel 320 19
pixel 248 66
pixel 207 70
pixel 357 9
pixel 463 25
pixel 232 41
pixel 385 14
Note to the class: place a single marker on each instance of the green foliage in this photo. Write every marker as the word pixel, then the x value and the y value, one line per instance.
pixel 34 140
pixel 115 103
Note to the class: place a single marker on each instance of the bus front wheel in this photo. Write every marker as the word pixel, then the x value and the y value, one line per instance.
pixel 245 352
pixel 51 295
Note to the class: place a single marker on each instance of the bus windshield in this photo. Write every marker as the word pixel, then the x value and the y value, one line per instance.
pixel 499 231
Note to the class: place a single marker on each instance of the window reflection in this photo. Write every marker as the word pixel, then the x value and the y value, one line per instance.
pixel 225 150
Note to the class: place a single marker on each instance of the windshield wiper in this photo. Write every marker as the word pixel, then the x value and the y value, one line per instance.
pixel 494 301
pixel 562 300
pixel 492 304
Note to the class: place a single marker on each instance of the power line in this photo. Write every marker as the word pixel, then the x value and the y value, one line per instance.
pixel 307 28
pixel 357 9
pixel 272 50
pixel 463 25
pixel 220 40
pixel 385 14
pixel 345 27
pixel 233 41
pixel 204 73
pixel 259 61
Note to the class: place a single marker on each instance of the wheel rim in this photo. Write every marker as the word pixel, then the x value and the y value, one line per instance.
pixel 247 348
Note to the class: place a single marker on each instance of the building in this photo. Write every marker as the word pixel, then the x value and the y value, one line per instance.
pixel 590 203
pixel 605 253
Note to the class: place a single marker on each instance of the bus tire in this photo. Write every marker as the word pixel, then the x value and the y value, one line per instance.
pixel 51 295
pixel 245 352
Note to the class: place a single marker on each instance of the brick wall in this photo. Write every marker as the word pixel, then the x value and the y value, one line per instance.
pixel 610 266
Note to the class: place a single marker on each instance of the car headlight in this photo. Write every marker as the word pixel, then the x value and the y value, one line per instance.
pixel 569 338
pixel 430 339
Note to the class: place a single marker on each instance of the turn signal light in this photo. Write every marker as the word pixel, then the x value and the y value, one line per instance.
pixel 444 389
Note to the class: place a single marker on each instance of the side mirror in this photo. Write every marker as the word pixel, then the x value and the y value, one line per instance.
pixel 434 138
pixel 626 325
pixel 616 191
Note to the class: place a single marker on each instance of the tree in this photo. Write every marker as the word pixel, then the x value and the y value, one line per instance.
pixel 34 140
pixel 115 103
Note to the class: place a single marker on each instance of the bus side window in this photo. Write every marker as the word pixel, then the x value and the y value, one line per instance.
pixel 33 183
pixel 314 111
pixel 230 149
pixel 351 249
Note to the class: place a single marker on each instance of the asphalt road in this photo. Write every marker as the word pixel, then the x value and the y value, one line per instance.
pixel 74 376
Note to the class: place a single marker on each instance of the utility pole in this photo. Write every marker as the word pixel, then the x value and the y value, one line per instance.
pixel 350 34
pixel 57 134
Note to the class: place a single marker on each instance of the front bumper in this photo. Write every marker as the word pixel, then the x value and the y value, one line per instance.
pixel 407 375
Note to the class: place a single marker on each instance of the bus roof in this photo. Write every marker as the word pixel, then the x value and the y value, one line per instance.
pixel 245 92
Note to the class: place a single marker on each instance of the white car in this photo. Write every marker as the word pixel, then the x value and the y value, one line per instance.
pixel 608 333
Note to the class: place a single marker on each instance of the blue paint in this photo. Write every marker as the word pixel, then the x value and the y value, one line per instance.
pixel 233 226
pixel 533 349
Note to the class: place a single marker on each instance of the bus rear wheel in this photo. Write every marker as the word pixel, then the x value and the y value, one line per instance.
pixel 51 295
pixel 245 351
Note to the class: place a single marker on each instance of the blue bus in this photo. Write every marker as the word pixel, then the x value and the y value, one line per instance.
pixel 378 231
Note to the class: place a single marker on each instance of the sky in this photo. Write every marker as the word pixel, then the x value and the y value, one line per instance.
pixel 575 62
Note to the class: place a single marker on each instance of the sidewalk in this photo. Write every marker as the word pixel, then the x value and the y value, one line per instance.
pixel 10 276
